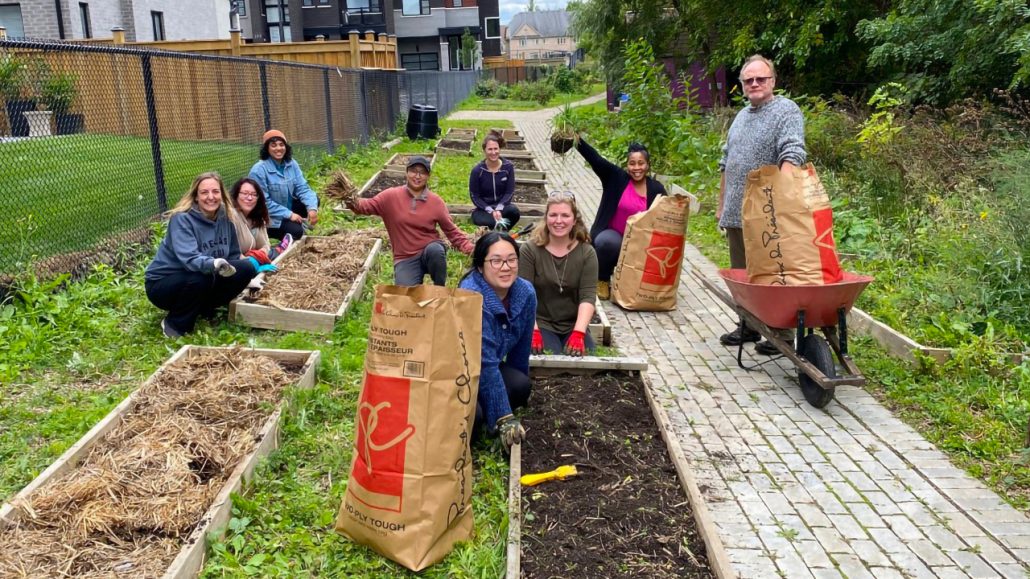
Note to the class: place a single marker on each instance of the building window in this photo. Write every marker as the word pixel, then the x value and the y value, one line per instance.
pixel 414 7
pixel 310 3
pixel 420 61
pixel 10 18
pixel 277 21
pixel 158 20
pixel 87 26
pixel 238 7
pixel 492 26
pixel 457 3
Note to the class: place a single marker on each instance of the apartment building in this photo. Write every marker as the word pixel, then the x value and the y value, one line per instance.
pixel 428 31
pixel 542 34
pixel 142 20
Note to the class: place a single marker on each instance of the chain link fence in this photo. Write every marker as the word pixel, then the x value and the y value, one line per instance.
pixel 97 141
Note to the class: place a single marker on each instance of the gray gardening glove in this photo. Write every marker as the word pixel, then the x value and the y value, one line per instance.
pixel 510 431
pixel 256 285
pixel 224 268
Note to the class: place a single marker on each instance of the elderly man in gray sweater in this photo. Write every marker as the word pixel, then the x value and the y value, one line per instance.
pixel 769 131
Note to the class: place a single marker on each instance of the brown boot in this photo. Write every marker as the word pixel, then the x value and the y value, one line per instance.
pixel 603 291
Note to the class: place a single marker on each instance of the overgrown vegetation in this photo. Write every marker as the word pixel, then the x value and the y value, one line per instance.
pixel 934 204
pixel 556 85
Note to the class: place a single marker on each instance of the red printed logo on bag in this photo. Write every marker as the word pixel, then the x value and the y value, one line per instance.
pixel 378 307
pixel 663 256
pixel 377 478
pixel 830 264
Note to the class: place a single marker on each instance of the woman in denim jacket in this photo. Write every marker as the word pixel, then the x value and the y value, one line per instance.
pixel 509 310
pixel 291 201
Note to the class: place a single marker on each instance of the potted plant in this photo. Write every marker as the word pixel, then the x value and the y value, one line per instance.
pixel 12 85
pixel 57 93
pixel 563 131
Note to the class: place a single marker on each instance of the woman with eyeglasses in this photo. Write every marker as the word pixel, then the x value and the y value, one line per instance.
pixel 509 308
pixel 492 186
pixel 251 220
pixel 624 193
pixel 198 266
pixel 562 266
pixel 291 202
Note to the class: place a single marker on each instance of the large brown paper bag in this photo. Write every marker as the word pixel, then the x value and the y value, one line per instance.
pixel 648 272
pixel 788 228
pixel 410 487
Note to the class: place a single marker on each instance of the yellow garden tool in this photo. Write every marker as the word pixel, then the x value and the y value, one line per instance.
pixel 560 473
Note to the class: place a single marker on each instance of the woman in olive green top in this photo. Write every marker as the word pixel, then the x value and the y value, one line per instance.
pixel 562 265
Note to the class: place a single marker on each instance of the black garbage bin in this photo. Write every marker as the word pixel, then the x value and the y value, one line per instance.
pixel 423 122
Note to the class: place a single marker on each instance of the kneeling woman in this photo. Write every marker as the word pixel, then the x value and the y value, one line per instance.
pixel 509 307
pixel 562 266
pixel 624 193
pixel 197 267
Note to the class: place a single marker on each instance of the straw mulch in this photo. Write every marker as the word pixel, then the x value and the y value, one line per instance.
pixel 129 505
pixel 317 275
pixel 340 187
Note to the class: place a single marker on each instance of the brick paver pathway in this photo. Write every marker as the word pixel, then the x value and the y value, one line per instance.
pixel 795 492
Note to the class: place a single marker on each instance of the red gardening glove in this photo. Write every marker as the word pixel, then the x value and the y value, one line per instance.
pixel 574 346
pixel 260 255
pixel 537 346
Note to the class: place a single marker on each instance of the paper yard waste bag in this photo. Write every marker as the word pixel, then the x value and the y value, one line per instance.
pixel 648 272
pixel 410 487
pixel 788 228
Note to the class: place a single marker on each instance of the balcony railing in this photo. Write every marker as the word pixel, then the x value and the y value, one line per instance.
pixel 371 16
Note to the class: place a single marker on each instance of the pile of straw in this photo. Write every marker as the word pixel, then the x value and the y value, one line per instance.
pixel 127 507
pixel 340 187
pixel 317 275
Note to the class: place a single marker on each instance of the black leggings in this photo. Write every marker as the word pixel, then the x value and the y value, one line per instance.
pixel 292 227
pixel 484 219
pixel 608 245
pixel 188 295
pixel 519 388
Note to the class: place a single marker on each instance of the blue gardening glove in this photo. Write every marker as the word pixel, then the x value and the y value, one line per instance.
pixel 502 224
pixel 268 267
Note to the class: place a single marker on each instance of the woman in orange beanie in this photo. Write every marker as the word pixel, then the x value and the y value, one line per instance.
pixel 290 199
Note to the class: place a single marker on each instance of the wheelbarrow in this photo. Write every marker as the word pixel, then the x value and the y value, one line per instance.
pixel 766 308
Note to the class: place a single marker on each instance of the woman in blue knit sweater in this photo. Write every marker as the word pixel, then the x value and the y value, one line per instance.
pixel 509 310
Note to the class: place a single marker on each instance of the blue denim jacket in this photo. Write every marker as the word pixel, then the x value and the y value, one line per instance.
pixel 282 188
pixel 505 337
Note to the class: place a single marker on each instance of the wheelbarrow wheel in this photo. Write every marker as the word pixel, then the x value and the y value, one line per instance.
pixel 815 349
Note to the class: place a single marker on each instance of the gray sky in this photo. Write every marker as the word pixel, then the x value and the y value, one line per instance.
pixel 510 8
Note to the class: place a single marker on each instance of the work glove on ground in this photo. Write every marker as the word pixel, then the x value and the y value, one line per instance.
pixel 268 267
pixel 510 431
pixel 224 268
pixel 537 345
pixel 574 346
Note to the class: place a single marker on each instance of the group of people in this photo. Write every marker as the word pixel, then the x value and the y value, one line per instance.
pixel 537 298
pixel 218 240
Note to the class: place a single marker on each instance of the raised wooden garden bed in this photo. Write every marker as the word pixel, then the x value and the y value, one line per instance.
pixel 316 284
pixel 512 154
pixel 527 175
pixel 527 193
pixel 137 495
pixel 508 134
pixel 398 163
pixel 530 212
pixel 451 146
pixel 623 515
pixel 600 328
pixel 380 181
pixel 513 145
pixel 461 134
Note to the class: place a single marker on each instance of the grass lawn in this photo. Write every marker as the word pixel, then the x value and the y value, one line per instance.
pixel 477 103
pixel 69 355
pixel 68 193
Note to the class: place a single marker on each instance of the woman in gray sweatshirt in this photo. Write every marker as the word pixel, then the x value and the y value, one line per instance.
pixel 198 266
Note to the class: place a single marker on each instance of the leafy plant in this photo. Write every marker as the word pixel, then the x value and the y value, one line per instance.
pixel 563 130
pixel 58 92
pixel 12 77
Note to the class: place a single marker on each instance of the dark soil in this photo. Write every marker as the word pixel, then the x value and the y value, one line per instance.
pixel 515 146
pixel 562 144
pixel 401 161
pixel 385 181
pixel 524 164
pixel 625 514
pixel 462 134
pixel 530 193
pixel 465 146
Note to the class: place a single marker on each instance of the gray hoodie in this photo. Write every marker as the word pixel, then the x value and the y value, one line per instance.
pixel 193 242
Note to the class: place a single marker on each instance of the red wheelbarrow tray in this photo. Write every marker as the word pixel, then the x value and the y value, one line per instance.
pixel 777 306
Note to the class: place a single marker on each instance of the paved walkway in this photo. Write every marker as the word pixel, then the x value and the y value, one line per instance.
pixel 796 492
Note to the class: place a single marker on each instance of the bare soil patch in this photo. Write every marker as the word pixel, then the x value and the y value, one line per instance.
pixel 530 193
pixel 382 182
pixel 401 161
pixel 317 275
pixel 463 146
pixel 625 514
pixel 461 134
pixel 523 163
pixel 128 506
pixel 514 146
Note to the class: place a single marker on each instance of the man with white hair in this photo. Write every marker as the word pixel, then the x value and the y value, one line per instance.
pixel 770 130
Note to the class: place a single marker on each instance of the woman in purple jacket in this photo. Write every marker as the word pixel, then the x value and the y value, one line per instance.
pixel 491 186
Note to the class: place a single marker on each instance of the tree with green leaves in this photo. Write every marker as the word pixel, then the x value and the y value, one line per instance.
pixel 943 50
pixel 468 50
